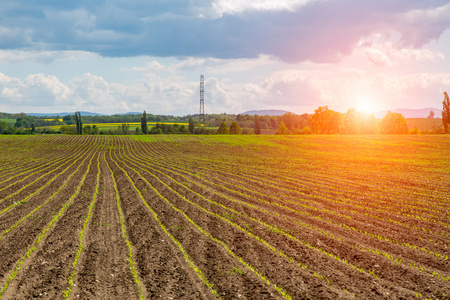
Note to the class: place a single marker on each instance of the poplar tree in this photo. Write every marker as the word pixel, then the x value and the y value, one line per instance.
pixel 446 112
pixel 78 123
pixel 257 125
pixel 144 123
pixel 191 126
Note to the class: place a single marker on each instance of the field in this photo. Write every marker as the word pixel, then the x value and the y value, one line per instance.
pixel 132 125
pixel 420 123
pixel 423 123
pixel 9 121
pixel 230 217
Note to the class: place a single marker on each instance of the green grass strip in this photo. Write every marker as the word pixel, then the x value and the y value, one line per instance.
pixel 42 235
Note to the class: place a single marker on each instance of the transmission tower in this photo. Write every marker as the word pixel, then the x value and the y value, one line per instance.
pixel 201 116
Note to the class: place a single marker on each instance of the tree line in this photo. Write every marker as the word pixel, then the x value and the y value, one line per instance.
pixel 322 121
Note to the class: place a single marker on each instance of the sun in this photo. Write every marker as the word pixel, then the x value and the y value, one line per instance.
pixel 365 104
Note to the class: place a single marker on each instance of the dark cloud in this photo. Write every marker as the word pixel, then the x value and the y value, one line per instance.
pixel 319 31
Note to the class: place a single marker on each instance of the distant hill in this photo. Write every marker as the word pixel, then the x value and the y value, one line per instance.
pixel 423 123
pixel 268 112
pixel 128 113
pixel 411 113
pixel 83 113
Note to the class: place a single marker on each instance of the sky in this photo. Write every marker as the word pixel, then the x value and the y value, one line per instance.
pixel 117 56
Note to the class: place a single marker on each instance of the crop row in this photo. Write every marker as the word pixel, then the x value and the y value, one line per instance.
pixel 43 233
pixel 228 221
pixel 298 201
pixel 281 253
pixel 408 245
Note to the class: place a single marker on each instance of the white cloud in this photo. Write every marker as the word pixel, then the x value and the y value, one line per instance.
pixel 382 52
pixel 292 30
pixel 303 91
pixel 377 57
pixel 47 57
pixel 92 91
pixel 34 90
pixel 232 7
pixel 171 86
pixel 418 27
pixel 424 55
pixel 151 66
pixel 46 86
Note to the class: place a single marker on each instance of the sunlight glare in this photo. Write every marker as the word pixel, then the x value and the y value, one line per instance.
pixel 365 105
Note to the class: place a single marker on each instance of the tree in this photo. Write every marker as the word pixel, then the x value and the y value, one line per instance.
pixel 144 127
pixel 325 120
pixel 67 129
pixel 274 122
pixel 257 125
pixel 3 127
pixel 123 129
pixel 431 115
pixel 335 122
pixel 415 131
pixel 24 122
pixel 235 128
pixel 68 120
pixel 282 129
pixel 157 129
pixel 183 130
pixel 191 126
pixel 351 121
pixel 95 130
pixel 78 123
pixel 289 121
pixel 446 112
pixel 223 128
pixel 393 123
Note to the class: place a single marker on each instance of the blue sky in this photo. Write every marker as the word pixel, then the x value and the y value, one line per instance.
pixel 118 56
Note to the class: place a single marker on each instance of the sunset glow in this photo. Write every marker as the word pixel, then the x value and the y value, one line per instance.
pixel 292 55
pixel 365 104
pixel 225 149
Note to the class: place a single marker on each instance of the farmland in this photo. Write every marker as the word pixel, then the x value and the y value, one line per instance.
pixel 9 121
pixel 230 217
pixel 132 125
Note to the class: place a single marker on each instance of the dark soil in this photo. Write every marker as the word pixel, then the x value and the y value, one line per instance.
pixel 255 222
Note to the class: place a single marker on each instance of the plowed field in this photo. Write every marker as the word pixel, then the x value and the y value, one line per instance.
pixel 230 217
